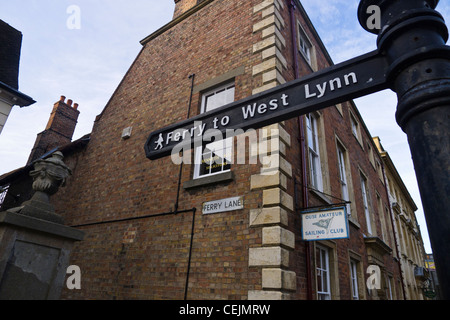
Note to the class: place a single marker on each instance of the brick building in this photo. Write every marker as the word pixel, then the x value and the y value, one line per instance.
pixel 410 248
pixel 147 236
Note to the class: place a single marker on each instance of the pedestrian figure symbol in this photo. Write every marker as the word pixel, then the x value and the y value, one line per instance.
pixel 159 142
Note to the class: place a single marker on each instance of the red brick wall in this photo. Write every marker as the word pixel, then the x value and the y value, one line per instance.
pixel 114 180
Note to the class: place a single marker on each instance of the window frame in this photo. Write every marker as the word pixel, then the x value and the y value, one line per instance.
pixel 382 217
pixel 199 152
pixel 324 267
pixel 370 154
pixel 343 172
pixel 360 274
pixel 365 198
pixel 355 125
pixel 356 128
pixel 315 165
pixel 305 46
pixel 354 279
pixel 388 288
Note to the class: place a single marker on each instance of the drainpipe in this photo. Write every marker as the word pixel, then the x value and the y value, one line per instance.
pixel 186 286
pixel 192 77
pixel 292 7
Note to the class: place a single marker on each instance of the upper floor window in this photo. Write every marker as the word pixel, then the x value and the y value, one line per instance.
pixel 370 154
pixel 379 170
pixel 218 97
pixel 306 48
pixel 343 177
pixel 365 198
pixel 355 128
pixel 215 157
pixel 314 152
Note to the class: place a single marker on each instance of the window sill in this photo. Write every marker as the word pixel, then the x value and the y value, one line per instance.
pixel 207 181
pixel 308 62
pixel 320 195
pixel 354 222
pixel 359 141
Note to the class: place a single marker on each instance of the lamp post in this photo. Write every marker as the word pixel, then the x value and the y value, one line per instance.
pixel 413 37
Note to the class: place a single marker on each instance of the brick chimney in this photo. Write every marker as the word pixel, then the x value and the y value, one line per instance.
pixel 181 6
pixel 59 130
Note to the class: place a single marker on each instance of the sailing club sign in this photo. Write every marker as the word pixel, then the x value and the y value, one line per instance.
pixel 342 82
pixel 325 224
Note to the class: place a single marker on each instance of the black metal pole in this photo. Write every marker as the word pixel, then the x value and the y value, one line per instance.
pixel 413 37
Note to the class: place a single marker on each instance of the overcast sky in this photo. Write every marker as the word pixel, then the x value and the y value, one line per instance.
pixel 86 64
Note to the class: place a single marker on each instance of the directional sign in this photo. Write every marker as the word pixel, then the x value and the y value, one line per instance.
pixel 342 82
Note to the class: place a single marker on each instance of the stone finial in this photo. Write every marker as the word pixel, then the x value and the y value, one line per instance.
pixel 48 175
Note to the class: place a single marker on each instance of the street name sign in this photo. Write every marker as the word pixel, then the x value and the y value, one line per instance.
pixel 223 205
pixel 342 82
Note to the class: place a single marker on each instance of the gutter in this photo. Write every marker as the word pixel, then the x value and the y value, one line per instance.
pixel 19 98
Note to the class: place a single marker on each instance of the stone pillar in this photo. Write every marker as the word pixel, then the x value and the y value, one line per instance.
pixel 34 256
pixel 278 242
pixel 34 244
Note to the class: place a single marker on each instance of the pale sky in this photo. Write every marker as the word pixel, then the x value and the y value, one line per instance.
pixel 87 64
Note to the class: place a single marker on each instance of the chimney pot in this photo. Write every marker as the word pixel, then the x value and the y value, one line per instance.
pixel 59 130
